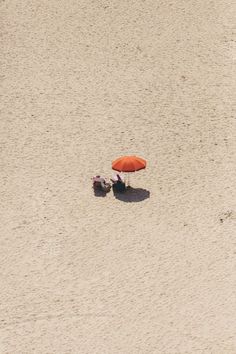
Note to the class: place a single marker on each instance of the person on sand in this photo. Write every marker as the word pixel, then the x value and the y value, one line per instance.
pixel 117 178
pixel 98 178
pixel 118 183
pixel 101 183
pixel 98 181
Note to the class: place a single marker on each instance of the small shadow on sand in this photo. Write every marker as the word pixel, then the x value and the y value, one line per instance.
pixel 99 193
pixel 132 195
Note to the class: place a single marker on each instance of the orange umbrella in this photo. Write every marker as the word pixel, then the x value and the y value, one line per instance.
pixel 129 164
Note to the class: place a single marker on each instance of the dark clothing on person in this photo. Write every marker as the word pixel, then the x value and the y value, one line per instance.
pixel 119 186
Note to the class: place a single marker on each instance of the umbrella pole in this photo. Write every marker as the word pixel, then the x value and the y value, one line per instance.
pixel 128 180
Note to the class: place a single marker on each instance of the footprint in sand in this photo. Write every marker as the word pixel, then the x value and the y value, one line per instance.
pixel 229 214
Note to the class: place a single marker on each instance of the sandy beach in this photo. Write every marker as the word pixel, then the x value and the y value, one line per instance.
pixel 82 83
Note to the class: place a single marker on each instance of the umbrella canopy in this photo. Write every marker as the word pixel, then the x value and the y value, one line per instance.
pixel 129 164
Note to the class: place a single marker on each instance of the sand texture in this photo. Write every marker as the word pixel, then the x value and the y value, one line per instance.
pixel 82 83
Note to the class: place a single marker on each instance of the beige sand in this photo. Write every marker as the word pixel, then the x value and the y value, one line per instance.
pixel 83 82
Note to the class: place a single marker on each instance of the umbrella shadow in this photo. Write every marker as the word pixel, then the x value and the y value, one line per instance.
pixel 132 195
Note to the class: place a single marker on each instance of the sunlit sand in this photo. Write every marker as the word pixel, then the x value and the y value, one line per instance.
pixel 147 271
